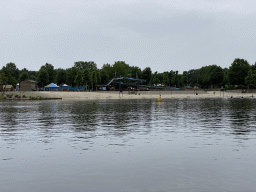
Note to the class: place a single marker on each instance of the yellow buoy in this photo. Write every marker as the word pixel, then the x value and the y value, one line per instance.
pixel 159 98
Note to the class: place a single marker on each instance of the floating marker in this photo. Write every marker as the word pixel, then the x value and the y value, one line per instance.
pixel 159 99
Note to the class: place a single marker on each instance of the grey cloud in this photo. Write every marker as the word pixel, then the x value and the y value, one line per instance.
pixel 165 35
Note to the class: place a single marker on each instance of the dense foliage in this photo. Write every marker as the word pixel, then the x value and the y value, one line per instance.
pixel 211 75
pixel 238 71
pixel 83 73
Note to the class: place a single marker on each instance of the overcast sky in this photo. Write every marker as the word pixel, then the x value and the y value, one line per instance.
pixel 164 35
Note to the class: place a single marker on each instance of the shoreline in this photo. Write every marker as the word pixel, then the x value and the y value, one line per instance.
pixel 99 95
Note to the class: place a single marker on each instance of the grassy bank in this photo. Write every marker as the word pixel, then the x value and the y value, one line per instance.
pixel 25 96
pixel 2 96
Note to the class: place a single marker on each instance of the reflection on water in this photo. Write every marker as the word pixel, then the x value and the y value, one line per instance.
pixel 119 145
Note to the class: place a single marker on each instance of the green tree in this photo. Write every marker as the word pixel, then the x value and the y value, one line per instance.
pixel 155 79
pixel 249 79
pixel 121 68
pixel 146 74
pixel 94 78
pixel 81 65
pixel 135 72
pixel 24 76
pixel 217 75
pixel 98 77
pixel 109 70
pixel 104 76
pixel 166 80
pixel 160 77
pixel 254 78
pixel 192 76
pixel 61 77
pixel 79 78
pixel 71 74
pixel 175 79
pixel 225 76
pixel 184 78
pixel 86 77
pixel 238 71
pixel 204 77
pixel 3 78
pixel 170 73
pixel 42 78
pixel 8 78
pixel 211 75
pixel 51 72
pixel 32 77
pixel 24 70
pixel 14 71
pixel 253 66
pixel 32 73
pixel 91 79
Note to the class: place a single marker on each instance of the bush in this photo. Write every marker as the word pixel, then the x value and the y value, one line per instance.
pixel 241 87
pixel 230 87
pixel 252 87
pixel 35 98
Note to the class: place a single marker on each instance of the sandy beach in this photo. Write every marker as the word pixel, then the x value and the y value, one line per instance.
pixel 125 95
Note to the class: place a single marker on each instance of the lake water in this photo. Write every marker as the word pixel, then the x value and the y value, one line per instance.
pixel 120 145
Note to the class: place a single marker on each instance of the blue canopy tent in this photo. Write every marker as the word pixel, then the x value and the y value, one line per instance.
pixel 51 87
pixel 54 87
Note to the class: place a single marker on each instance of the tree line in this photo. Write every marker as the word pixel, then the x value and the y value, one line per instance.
pixel 240 74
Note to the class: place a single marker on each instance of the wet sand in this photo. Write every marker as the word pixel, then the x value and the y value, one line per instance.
pixel 125 95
